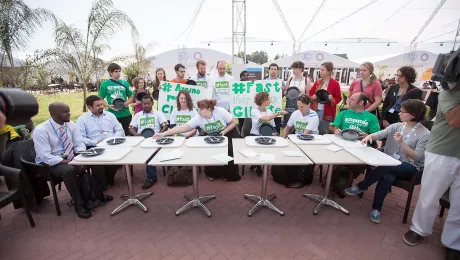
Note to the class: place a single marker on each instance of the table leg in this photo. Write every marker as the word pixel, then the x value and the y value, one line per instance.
pixel 130 198
pixel 322 199
pixel 263 200
pixel 195 200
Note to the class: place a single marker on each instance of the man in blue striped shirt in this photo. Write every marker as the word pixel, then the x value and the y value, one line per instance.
pixel 95 126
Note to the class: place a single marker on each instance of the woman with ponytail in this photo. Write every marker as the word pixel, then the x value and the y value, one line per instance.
pixel 370 86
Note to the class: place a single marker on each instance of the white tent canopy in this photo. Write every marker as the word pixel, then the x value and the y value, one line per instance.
pixel 188 57
pixel 419 59
pixel 314 59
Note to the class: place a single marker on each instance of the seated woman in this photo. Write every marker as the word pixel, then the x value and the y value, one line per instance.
pixel 212 119
pixel 406 142
pixel 183 113
pixel 304 120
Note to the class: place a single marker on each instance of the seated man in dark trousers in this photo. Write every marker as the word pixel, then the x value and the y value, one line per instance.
pixel 56 142
pixel 96 125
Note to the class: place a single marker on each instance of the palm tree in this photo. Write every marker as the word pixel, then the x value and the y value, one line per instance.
pixel 17 25
pixel 80 51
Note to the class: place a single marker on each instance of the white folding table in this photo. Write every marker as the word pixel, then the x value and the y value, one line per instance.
pixel 137 156
pixel 263 200
pixel 193 156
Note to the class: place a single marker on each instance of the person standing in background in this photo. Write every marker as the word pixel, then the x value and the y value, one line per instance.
pixel 273 75
pixel 370 86
pixel 326 111
pixel 221 86
pixel 139 87
pixel 180 74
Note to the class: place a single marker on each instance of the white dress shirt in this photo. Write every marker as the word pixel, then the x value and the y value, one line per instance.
pixel 97 128
pixel 47 143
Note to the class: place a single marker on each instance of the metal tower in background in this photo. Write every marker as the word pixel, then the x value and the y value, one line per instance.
pixel 238 29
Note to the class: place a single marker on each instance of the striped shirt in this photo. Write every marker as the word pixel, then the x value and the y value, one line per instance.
pixel 97 128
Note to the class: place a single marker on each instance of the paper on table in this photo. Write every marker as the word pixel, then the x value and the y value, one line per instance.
pixel 174 154
pixel 292 153
pixel 223 158
pixel 333 148
pixel 266 157
pixel 248 153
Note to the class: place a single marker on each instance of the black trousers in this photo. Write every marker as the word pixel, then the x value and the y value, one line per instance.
pixel 69 174
pixel 104 174
pixel 124 121
pixel 278 124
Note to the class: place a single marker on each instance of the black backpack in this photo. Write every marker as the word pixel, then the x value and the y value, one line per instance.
pixel 287 175
pixel 179 176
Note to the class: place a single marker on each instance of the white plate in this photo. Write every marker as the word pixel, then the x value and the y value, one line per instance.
pixel 109 155
pixel 373 156
pixel 198 141
pixel 152 143
pixel 319 139
pixel 280 141
pixel 344 143
pixel 131 141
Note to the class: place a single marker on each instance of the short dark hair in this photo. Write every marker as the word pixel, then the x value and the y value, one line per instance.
pixel 91 99
pixel 178 66
pixel 273 65
pixel 416 108
pixel 242 73
pixel 409 73
pixel 362 97
pixel 261 97
pixel 147 97
pixel 298 65
pixel 113 67
pixel 304 98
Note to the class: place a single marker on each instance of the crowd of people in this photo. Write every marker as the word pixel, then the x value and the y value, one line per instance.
pixel 399 122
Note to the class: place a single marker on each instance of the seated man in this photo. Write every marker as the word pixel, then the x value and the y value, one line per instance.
pixel 56 142
pixel 148 118
pixel 95 126
pixel 354 118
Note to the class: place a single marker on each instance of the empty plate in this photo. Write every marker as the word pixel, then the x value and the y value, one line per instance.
pixel 350 134
pixel 306 137
pixel 292 93
pixel 165 140
pixel 266 130
pixel 214 139
pixel 147 132
pixel 265 140
pixel 114 141
pixel 92 152
pixel 118 104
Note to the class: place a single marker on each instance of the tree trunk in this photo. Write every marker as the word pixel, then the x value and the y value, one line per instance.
pixel 10 58
pixel 84 94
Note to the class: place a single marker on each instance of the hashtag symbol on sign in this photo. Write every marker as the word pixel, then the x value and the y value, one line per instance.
pixel 167 87
pixel 238 88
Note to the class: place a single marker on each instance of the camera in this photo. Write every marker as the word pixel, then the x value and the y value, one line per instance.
pixel 447 70
pixel 17 105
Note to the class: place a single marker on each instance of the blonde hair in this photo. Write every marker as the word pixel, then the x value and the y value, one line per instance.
pixel 370 67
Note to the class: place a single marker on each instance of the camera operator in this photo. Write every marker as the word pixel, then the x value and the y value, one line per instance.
pixel 442 163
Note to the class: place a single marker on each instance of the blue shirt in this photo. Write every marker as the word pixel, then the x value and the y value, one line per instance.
pixel 97 128
pixel 47 143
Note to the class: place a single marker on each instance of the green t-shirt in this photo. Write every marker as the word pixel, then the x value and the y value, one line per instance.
pixel 364 121
pixel 444 138
pixel 110 90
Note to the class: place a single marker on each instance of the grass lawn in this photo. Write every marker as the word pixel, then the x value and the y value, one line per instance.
pixel 74 100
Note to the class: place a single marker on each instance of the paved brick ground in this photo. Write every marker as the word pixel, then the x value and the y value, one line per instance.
pixel 229 234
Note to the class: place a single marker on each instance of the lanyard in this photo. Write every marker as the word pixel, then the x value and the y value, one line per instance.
pixel 410 132
pixel 399 100
pixel 57 134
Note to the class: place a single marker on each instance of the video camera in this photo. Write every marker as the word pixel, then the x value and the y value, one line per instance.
pixel 17 105
pixel 447 70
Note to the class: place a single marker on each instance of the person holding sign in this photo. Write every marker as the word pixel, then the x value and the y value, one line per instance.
pixel 180 74
pixel 326 82
pixel 304 120
pixel 221 86
pixel 406 142
pixel 201 78
pixel 148 118
pixel 260 115
pixel 212 119
pixel 116 89
pixel 183 113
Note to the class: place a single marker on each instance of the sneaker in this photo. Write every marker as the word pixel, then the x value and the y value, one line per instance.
pixel 411 238
pixel 148 183
pixel 353 190
pixel 375 216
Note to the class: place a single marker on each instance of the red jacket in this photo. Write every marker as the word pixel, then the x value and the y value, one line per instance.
pixel 330 108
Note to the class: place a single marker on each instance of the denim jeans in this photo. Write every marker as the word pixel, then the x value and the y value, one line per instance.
pixel 151 172
pixel 385 176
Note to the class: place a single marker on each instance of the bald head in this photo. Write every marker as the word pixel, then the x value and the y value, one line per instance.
pixel 221 66
pixel 60 112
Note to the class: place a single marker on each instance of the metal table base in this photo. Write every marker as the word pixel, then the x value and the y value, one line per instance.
pixel 263 200
pixel 195 200
pixel 322 199
pixel 130 198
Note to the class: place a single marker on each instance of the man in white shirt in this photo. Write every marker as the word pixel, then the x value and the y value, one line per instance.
pixel 148 118
pixel 56 143
pixel 201 78
pixel 221 86
pixel 95 126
